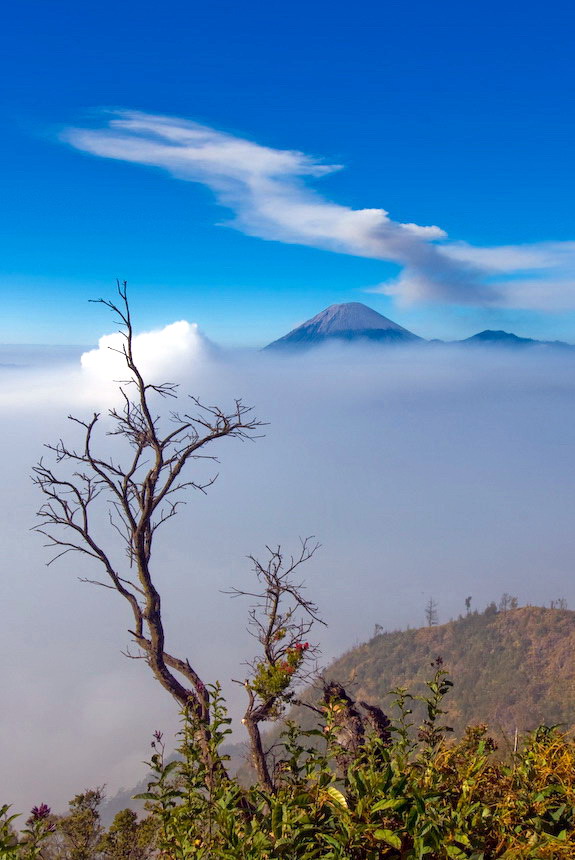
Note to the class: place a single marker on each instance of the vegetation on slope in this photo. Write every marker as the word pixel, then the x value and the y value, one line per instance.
pixel 362 795
pixel 513 669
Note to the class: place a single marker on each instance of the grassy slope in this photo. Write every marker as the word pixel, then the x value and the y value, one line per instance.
pixel 512 669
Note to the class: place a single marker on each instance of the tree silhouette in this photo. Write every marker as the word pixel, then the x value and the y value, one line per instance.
pixel 141 490
pixel 431 612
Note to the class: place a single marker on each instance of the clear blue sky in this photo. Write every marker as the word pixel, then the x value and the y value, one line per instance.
pixel 458 115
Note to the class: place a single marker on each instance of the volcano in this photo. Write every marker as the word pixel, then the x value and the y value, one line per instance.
pixel 352 321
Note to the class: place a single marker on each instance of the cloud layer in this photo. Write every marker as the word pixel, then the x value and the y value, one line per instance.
pixel 268 190
pixel 430 473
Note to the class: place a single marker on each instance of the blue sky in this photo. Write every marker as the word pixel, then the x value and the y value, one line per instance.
pixel 457 116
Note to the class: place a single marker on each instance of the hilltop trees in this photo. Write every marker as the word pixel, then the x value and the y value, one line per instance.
pixel 507 602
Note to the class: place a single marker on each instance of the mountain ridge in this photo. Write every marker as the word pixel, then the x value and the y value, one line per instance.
pixel 355 322
pixel 506 338
pixel 511 669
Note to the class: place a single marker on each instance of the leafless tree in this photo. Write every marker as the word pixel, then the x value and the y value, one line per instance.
pixel 280 619
pixel 431 612
pixel 560 603
pixel 142 492
pixel 507 602
pixel 349 726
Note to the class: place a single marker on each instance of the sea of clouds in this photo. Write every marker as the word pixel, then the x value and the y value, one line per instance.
pixel 424 471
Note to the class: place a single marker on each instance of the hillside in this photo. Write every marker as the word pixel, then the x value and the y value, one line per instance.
pixel 511 669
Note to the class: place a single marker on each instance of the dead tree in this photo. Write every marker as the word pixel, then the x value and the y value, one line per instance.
pixel 141 493
pixel 348 726
pixel 507 602
pixel 431 612
pixel 280 619
pixel 346 722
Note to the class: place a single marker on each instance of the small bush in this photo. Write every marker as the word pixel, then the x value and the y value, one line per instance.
pixel 352 789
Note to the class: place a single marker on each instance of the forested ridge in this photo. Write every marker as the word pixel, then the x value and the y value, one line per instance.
pixel 512 669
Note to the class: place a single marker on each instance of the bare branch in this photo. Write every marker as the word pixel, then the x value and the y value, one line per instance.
pixel 140 496
pixel 279 619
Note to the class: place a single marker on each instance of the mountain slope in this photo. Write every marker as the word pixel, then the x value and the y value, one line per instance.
pixel 511 669
pixel 350 321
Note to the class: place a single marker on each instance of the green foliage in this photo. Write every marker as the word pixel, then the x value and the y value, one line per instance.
pixel 272 679
pixel 407 794
pixel 31 842
pixel 80 831
pixel 8 838
pixel 407 798
pixel 128 838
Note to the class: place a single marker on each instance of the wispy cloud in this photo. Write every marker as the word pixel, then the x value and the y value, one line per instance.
pixel 268 191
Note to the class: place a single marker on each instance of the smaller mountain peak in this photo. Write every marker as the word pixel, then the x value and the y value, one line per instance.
pixel 498 336
pixel 508 339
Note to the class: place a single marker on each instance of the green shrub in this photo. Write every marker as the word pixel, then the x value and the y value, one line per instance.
pixel 399 796
pixel 390 791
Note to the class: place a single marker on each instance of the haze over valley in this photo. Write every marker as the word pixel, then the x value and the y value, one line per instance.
pixel 348 317
pixel 421 477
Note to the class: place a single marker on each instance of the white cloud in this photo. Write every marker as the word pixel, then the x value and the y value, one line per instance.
pixel 157 353
pixel 539 276
pixel 400 467
pixel 267 191
pixel 514 258
pixel 540 294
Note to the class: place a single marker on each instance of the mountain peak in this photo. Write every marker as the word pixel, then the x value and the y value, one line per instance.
pixel 351 316
pixel 500 337
pixel 349 321
pixel 357 323
pixel 508 339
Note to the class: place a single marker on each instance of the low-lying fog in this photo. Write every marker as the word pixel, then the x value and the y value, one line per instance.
pixel 423 472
